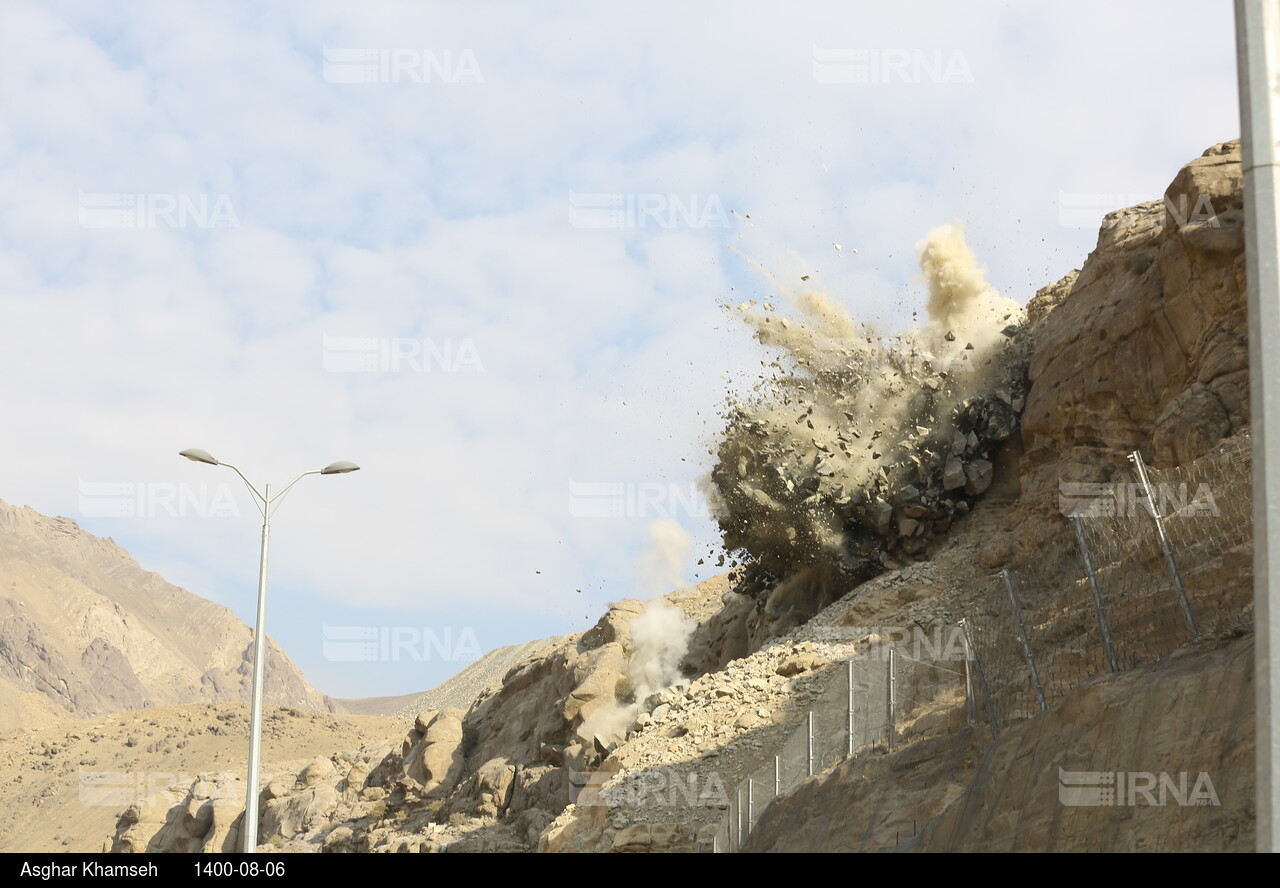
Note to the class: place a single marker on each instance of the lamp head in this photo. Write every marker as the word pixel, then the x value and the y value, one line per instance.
pixel 200 456
pixel 341 467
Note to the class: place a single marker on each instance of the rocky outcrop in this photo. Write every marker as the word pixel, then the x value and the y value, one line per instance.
pixel 435 756
pixel 1145 347
pixel 491 778
pixel 204 817
pixel 298 808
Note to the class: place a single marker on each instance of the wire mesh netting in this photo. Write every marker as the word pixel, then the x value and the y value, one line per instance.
pixel 918 686
pixel 1207 512
pixel 1151 561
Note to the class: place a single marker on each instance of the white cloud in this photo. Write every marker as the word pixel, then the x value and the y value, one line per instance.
pixel 439 211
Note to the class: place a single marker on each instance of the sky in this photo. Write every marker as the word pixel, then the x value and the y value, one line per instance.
pixel 483 250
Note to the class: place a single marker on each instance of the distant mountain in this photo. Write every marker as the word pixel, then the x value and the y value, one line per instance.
pixel 85 630
pixel 456 692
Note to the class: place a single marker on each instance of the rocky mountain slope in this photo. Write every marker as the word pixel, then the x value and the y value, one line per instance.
pixel 1141 348
pixel 1146 346
pixel 1192 714
pixel 85 630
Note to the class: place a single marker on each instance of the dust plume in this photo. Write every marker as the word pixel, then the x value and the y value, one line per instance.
pixel 856 448
pixel 659 636
pixel 960 299
pixel 661 564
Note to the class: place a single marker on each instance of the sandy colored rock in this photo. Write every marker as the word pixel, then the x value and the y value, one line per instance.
pixel 1147 349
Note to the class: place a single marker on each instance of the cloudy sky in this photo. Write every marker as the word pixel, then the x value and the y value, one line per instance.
pixel 482 249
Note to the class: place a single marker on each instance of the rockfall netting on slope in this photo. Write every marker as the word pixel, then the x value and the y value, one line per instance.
pixel 1115 588
pixel 903 687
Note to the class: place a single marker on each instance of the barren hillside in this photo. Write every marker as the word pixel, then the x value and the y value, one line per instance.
pixel 85 630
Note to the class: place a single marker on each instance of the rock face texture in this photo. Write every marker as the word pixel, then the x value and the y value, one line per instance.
pixel 488 778
pixel 1146 346
pixel 85 630
pixel 872 803
pixel 1161 728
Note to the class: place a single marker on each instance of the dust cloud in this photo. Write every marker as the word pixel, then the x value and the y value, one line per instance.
pixel 659 636
pixel 856 448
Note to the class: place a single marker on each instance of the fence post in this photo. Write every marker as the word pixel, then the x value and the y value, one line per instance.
pixel 968 678
pixel 972 650
pixel 739 797
pixel 810 742
pixel 1026 646
pixel 892 703
pixel 777 775
pixel 849 752
pixel 1165 544
pixel 731 827
pixel 1097 595
pixel 751 804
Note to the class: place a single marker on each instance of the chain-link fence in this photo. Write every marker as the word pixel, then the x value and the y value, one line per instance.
pixel 1153 560
pixel 1207 515
pixel 898 691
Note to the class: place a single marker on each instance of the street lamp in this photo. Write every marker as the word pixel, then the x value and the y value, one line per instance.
pixel 259 632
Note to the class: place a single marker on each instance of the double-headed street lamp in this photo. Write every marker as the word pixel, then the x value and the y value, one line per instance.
pixel 266 498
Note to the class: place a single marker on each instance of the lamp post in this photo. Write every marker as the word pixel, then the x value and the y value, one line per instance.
pixel 1258 61
pixel 250 824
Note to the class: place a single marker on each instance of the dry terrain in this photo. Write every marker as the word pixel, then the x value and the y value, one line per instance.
pixel 62 788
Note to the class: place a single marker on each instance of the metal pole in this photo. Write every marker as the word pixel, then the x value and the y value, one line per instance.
pixel 1097 595
pixel 751 805
pixel 892 702
pixel 1026 646
pixel 849 745
pixel 968 677
pixel 739 794
pixel 255 706
pixel 810 742
pixel 777 775
pixel 1257 27
pixel 249 824
pixel 731 831
pixel 1165 544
